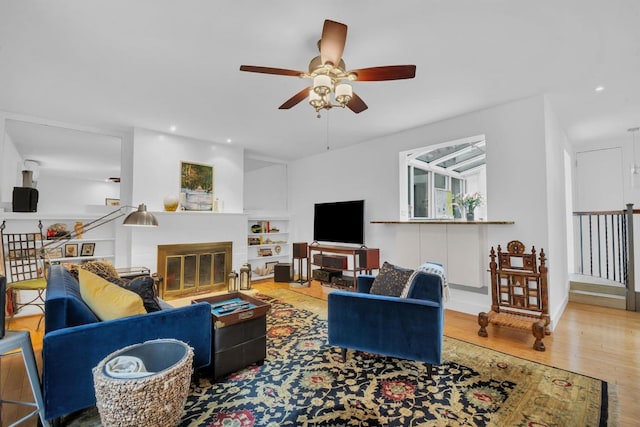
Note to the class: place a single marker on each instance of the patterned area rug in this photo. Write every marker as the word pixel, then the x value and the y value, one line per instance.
pixel 304 382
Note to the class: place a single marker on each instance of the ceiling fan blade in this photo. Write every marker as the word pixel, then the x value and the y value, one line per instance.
pixel 389 72
pixel 270 70
pixel 334 36
pixel 295 99
pixel 356 104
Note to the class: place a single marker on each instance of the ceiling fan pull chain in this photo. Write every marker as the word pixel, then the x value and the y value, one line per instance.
pixel 327 130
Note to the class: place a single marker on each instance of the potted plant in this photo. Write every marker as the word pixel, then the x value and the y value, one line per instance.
pixel 469 202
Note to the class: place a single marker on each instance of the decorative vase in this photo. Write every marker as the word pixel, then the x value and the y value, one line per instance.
pixel 171 203
pixel 470 216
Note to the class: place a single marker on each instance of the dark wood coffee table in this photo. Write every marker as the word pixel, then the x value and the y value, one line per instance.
pixel 239 332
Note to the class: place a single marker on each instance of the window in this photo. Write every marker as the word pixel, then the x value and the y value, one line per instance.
pixel 432 177
pixel 420 192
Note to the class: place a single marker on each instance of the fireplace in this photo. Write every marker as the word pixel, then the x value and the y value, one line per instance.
pixel 193 268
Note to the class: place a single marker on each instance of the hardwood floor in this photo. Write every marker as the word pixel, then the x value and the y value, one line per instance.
pixel 595 341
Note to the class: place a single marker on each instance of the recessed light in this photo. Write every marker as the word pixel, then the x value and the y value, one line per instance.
pixel 229 140
pixel 599 88
pixel 173 128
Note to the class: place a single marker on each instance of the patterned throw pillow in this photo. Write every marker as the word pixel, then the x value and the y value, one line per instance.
pixel 103 269
pixel 391 280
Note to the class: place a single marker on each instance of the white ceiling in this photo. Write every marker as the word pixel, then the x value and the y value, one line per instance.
pixel 155 63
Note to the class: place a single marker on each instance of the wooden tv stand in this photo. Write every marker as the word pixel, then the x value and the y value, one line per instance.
pixel 359 259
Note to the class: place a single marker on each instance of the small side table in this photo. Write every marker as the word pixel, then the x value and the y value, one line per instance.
pixel 21 340
pixel 238 337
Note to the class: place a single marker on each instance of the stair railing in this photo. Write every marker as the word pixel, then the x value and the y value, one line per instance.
pixel 605 247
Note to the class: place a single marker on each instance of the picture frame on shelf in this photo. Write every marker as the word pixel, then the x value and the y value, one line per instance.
pixel 71 250
pixel 254 241
pixel 54 253
pixel 112 202
pixel 87 249
pixel 265 252
pixel 270 266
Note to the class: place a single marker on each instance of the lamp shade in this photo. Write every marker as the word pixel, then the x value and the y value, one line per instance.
pixel 322 84
pixel 314 99
pixel 141 218
pixel 344 93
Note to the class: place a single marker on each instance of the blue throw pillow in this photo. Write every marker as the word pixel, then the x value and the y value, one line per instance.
pixel 391 280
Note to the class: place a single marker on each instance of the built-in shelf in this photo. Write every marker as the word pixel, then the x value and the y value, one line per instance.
pixel 51 242
pixel 82 258
pixel 260 264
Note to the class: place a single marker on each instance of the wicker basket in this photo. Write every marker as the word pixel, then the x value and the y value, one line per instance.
pixel 154 400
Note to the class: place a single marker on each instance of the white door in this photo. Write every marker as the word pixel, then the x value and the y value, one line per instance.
pixel 599 180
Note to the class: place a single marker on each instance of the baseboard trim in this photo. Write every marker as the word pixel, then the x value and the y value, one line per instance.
pixel 484 290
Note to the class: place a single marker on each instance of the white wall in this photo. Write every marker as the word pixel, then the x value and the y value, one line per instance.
pixel 156 168
pixel 557 249
pixel 516 182
pixel 155 161
pixel 11 165
pixel 58 194
pixel 265 190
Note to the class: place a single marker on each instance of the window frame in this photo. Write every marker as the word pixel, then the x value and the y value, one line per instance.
pixel 408 162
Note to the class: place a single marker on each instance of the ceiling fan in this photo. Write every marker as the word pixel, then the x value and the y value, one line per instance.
pixel 330 75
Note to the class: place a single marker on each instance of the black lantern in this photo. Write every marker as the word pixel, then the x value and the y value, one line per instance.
pixel 245 277
pixel 233 282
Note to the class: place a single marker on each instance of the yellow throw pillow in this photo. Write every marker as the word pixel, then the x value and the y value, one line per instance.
pixel 106 300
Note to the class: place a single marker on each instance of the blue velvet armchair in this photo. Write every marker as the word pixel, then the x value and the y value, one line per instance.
pixel 406 328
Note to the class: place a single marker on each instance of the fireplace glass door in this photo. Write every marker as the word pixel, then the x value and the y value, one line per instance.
pixel 190 270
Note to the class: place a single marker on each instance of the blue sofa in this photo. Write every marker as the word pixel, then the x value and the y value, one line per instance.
pixel 406 328
pixel 75 341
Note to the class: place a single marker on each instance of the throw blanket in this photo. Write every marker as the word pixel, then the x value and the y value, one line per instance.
pixel 126 367
pixel 432 268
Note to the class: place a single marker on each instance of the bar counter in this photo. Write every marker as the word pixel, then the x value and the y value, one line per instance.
pixel 444 222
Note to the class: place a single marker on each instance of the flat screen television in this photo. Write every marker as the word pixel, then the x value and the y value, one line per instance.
pixel 339 222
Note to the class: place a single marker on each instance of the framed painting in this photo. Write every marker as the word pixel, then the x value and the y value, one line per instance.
pixel 54 253
pixel 196 186
pixel 265 252
pixel 87 249
pixel 71 250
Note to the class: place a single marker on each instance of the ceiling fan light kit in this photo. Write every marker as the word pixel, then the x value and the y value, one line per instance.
pixel 322 84
pixel 329 78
